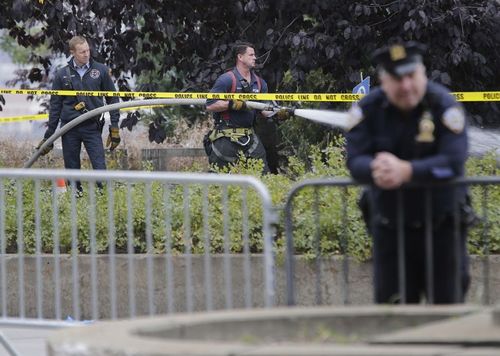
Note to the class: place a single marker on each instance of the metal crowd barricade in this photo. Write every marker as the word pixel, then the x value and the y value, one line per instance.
pixel 131 243
pixel 322 194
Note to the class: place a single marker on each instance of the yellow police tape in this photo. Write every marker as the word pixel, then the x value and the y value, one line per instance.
pixel 332 97
pixel 36 117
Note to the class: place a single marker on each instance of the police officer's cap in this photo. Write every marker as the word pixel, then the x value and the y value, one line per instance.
pixel 399 59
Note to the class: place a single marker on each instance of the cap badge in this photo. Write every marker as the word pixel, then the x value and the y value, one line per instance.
pixel 397 52
pixel 426 128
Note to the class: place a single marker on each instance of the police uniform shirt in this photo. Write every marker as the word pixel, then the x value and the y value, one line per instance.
pixel 95 78
pixel 236 118
pixel 81 69
pixel 432 137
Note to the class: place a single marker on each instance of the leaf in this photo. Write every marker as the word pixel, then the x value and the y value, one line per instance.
pixel 20 10
pixel 358 10
pixel 435 74
pixel 251 6
pixel 130 121
pixel 445 78
pixel 342 23
pixel 35 75
pixel 71 28
pixel 330 52
pixel 308 43
pixel 157 132
pixel 347 33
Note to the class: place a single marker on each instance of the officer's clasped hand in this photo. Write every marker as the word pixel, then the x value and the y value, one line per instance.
pixel 113 138
pixel 46 149
pixel 284 114
pixel 237 105
pixel 389 171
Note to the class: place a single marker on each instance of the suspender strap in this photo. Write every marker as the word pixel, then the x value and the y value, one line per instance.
pixel 233 81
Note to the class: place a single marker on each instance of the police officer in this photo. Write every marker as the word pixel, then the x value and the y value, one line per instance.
pixel 411 131
pixel 82 73
pixel 234 121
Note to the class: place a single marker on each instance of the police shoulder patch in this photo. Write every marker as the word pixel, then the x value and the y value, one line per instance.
pixel 354 116
pixel 454 119
pixel 94 74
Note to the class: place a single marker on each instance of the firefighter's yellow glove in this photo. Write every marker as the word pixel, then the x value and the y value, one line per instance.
pixel 237 105
pixel 46 149
pixel 113 138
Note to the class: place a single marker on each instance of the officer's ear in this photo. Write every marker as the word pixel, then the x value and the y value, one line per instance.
pixel 383 78
pixel 381 73
pixel 424 69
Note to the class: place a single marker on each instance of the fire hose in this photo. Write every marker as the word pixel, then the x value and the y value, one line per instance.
pixel 332 118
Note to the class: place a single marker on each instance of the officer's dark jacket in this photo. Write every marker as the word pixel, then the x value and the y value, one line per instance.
pixel 62 107
pixel 236 118
pixel 384 128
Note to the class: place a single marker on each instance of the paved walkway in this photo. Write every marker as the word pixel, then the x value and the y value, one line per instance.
pixel 27 338
pixel 26 341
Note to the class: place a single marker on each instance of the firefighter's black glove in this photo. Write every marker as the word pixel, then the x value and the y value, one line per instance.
pixel 284 114
pixel 113 138
pixel 46 149
pixel 237 105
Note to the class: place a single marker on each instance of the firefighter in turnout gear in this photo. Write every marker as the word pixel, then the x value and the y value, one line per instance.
pixel 234 121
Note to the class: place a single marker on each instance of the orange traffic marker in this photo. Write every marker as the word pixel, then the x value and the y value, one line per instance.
pixel 60 185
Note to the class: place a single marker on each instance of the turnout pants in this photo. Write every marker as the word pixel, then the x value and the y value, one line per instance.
pixel 224 151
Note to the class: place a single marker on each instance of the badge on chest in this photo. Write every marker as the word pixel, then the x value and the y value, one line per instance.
pixel 425 128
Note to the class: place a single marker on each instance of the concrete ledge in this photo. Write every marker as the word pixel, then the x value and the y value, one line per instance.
pixel 471 330
pixel 331 285
pixel 293 331
pixel 496 315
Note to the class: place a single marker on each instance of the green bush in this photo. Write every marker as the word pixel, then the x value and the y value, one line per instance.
pixel 338 230
pixel 485 237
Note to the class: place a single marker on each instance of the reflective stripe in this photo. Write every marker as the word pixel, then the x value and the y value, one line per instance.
pixel 221 156
pixel 248 152
pixel 254 145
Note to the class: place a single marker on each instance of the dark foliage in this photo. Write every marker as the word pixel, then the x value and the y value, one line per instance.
pixel 293 38
pixel 156 132
pixel 131 120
